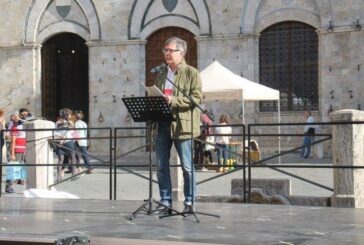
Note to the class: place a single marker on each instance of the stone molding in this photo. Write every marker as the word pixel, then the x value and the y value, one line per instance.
pixel 251 9
pixel 36 11
pixel 282 15
pixel 62 27
pixel 23 46
pixel 227 37
pixel 138 11
pixel 116 43
pixel 338 29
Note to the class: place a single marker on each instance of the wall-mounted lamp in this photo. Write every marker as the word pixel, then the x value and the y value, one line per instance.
pixel 128 117
pixel 211 113
pixel 356 25
pixel 114 98
pixel 330 110
pixel 330 28
pixel 358 67
pixel 100 80
pixel 330 68
pixel 359 108
pixel 100 118
pixel 240 30
pixel 332 94
pixel 241 74
pixel 95 98
pixel 351 94
pixel 241 113
pixel 28 101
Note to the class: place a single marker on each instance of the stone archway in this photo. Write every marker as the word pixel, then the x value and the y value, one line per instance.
pixel 194 17
pixel 64 75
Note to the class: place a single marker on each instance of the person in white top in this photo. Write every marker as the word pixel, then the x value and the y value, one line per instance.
pixel 222 141
pixel 66 143
pixel 309 132
pixel 81 142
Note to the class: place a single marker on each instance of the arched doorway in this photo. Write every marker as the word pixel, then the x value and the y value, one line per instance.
pixel 64 75
pixel 288 62
pixel 155 44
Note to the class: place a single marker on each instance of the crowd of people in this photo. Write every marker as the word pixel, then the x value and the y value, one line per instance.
pixel 70 138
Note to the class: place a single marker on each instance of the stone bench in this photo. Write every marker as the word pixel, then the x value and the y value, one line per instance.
pixel 268 186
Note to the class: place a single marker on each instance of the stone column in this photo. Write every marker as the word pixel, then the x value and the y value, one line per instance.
pixel 39 152
pixel 348 148
pixel 176 177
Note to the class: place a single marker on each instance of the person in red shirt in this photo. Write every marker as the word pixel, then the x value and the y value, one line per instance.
pixel 18 141
pixel 17 146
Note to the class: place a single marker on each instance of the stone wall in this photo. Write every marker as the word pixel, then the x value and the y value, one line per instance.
pixel 226 31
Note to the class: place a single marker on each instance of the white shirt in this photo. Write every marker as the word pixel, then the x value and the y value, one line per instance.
pixel 81 133
pixel 223 130
pixel 310 120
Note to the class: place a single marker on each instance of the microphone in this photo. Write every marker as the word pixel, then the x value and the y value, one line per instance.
pixel 157 69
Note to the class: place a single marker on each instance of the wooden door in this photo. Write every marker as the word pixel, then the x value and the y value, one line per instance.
pixel 64 75
pixel 154 55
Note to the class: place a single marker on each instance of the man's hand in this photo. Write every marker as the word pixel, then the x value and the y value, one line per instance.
pixel 12 158
pixel 168 99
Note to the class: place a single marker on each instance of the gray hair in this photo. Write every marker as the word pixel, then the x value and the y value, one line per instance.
pixel 180 43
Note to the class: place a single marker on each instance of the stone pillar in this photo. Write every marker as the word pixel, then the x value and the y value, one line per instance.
pixel 348 148
pixel 176 177
pixel 39 152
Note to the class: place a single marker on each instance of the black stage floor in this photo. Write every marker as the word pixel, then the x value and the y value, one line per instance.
pixel 106 222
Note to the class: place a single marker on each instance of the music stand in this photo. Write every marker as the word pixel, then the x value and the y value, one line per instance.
pixel 149 110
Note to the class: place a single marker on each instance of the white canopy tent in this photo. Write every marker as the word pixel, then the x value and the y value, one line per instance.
pixel 219 83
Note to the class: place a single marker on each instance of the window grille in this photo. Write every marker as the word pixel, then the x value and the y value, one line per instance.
pixel 288 60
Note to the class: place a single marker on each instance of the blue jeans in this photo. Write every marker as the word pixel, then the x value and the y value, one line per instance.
pixel 83 150
pixel 163 145
pixel 306 146
pixel 222 153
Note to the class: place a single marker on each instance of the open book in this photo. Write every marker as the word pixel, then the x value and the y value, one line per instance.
pixel 152 90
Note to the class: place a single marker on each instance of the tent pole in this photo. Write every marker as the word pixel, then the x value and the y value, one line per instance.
pixel 243 112
pixel 279 132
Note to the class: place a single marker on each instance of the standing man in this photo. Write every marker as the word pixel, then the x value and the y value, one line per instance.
pixel 178 132
pixel 309 132
pixel 81 142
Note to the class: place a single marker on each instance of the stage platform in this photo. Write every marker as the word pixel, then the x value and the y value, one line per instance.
pixel 106 222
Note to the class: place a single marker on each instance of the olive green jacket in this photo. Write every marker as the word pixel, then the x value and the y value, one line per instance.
pixel 187 78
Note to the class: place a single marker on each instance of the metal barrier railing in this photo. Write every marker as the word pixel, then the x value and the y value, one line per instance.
pixel 262 164
pixel 51 139
pixel 246 165
pixel 125 166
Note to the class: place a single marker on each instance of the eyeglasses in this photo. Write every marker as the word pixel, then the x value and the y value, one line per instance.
pixel 168 50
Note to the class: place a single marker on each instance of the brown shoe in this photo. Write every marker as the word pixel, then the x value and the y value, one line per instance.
pixel 89 171
pixel 220 170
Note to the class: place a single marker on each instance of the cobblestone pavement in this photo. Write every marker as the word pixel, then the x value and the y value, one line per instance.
pixel 132 187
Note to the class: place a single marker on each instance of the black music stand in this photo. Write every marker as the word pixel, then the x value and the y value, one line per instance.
pixel 149 110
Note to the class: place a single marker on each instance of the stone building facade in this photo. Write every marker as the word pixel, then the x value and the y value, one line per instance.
pixel 116 33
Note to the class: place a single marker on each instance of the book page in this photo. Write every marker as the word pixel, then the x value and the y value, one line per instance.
pixel 153 90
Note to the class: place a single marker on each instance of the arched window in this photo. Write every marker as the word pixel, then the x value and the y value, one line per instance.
pixel 288 60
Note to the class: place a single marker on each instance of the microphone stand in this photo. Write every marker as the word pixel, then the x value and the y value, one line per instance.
pixel 193 212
